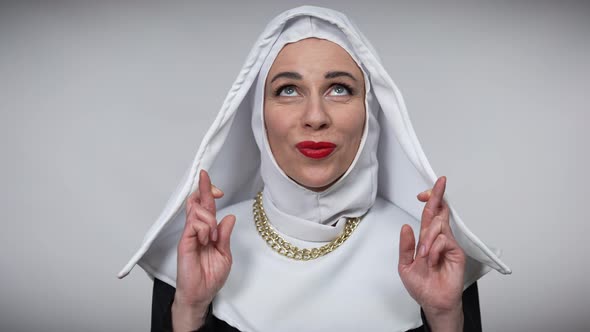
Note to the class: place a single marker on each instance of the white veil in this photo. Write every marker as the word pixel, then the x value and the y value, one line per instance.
pixel 230 154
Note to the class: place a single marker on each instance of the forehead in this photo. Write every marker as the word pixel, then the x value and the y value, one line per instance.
pixel 314 55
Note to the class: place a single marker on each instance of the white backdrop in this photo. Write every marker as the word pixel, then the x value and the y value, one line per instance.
pixel 103 106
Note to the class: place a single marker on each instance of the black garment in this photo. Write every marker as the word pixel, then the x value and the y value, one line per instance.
pixel 163 295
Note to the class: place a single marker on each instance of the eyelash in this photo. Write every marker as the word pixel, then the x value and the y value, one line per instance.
pixel 278 90
pixel 350 90
pixel 346 86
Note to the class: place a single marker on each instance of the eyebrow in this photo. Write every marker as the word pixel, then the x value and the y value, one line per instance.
pixel 297 76
pixel 334 74
pixel 287 74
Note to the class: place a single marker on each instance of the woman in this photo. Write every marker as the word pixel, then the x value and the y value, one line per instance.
pixel 316 126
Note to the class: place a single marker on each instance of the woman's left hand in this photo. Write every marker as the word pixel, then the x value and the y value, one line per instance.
pixel 434 274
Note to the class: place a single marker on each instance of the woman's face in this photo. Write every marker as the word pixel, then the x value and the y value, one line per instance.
pixel 314 111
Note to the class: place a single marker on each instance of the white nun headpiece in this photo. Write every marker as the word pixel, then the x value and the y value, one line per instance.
pixel 235 150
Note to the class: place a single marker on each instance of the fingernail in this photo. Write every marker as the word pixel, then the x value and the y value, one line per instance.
pixel 216 191
pixel 214 235
pixel 422 250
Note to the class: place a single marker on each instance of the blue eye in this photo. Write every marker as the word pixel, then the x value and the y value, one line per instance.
pixel 288 91
pixel 339 90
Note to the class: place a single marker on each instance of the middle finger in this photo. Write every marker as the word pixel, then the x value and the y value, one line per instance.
pixel 428 235
pixel 207 199
pixel 433 205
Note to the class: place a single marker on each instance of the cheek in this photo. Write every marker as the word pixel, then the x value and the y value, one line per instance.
pixel 354 125
pixel 277 127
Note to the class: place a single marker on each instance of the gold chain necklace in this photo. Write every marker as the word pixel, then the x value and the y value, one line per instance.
pixel 280 245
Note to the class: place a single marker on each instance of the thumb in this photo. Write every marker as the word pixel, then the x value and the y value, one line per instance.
pixel 225 228
pixel 407 245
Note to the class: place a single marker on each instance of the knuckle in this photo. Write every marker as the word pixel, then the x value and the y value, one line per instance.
pixel 202 227
pixel 438 220
pixel 442 238
pixel 205 215
pixel 428 213
pixel 189 205
pixel 439 242
pixel 189 221
pixel 439 223
pixel 434 229
pixel 194 196
pixel 192 217
pixel 197 223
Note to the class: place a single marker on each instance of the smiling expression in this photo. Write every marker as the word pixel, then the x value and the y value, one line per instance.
pixel 314 111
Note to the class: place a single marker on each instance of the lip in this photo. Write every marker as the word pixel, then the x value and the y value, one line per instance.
pixel 315 150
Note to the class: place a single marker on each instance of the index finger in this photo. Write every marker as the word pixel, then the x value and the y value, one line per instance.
pixel 207 199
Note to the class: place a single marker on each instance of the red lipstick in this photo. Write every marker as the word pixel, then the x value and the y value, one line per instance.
pixel 315 150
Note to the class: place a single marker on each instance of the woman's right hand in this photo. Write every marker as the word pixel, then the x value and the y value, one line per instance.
pixel 204 257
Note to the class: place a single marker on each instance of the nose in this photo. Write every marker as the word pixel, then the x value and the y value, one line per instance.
pixel 315 116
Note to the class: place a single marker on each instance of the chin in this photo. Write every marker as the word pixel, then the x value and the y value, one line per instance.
pixel 316 183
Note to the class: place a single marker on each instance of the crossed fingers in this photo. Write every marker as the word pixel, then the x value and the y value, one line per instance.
pixel 435 232
pixel 201 210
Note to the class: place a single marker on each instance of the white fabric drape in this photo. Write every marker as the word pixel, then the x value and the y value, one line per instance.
pixel 389 170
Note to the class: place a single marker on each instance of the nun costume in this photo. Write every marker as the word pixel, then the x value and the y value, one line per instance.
pixel 304 260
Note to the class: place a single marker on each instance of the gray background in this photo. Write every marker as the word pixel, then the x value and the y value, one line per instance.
pixel 103 106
